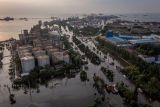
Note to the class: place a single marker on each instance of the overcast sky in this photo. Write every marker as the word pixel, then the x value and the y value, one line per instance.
pixel 51 7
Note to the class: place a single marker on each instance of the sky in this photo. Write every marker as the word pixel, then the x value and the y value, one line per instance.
pixel 52 7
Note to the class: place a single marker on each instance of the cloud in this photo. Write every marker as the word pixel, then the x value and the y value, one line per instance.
pixel 48 7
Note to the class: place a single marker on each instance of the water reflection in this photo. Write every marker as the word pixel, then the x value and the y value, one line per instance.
pixel 65 92
pixel 9 29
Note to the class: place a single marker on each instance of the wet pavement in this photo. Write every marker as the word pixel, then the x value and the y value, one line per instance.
pixel 64 92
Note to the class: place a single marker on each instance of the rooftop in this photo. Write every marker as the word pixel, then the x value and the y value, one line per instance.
pixel 27 58
pixel 116 40
pixel 54 33
pixel 58 53
pixel 36 49
pixel 43 57
pixel 142 41
pixel 128 37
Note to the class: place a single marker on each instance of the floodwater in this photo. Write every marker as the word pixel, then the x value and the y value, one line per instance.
pixel 115 100
pixel 4 79
pixel 148 17
pixel 63 92
pixel 9 29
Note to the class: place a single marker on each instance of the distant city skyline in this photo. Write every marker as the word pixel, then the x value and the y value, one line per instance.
pixel 55 7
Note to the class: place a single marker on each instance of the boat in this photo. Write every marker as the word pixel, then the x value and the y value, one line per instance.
pixel 7 19
pixel 25 19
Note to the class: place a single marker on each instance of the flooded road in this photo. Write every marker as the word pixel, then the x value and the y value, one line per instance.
pixel 4 79
pixel 60 93
pixel 115 100
pixel 66 92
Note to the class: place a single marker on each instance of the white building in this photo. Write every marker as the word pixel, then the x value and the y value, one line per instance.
pixel 150 59
pixel 43 60
pixel 28 64
pixel 36 43
pixel 55 27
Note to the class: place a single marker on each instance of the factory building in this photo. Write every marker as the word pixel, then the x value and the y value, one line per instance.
pixel 142 41
pixel 127 39
pixel 24 37
pixel 43 60
pixel 55 36
pixel 28 64
pixel 27 38
pixel 150 59
pixel 109 34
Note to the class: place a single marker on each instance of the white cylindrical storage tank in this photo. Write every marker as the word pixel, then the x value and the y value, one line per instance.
pixel 43 60
pixel 57 57
pixel 28 64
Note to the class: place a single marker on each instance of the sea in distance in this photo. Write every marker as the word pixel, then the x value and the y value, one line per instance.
pixel 9 29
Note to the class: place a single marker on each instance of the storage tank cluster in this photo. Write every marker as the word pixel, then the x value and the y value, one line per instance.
pixel 38 56
pixel 60 56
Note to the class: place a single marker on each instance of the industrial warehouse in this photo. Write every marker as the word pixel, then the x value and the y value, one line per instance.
pixel 132 43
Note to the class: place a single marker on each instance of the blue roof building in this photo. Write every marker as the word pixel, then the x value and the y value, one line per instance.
pixel 142 41
pixel 128 37
pixel 109 34
pixel 125 39
pixel 117 40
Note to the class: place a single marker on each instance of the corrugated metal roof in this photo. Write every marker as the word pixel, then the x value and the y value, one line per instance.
pixel 116 40
pixel 141 41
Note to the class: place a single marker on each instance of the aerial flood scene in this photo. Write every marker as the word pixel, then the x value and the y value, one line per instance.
pixel 79 53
